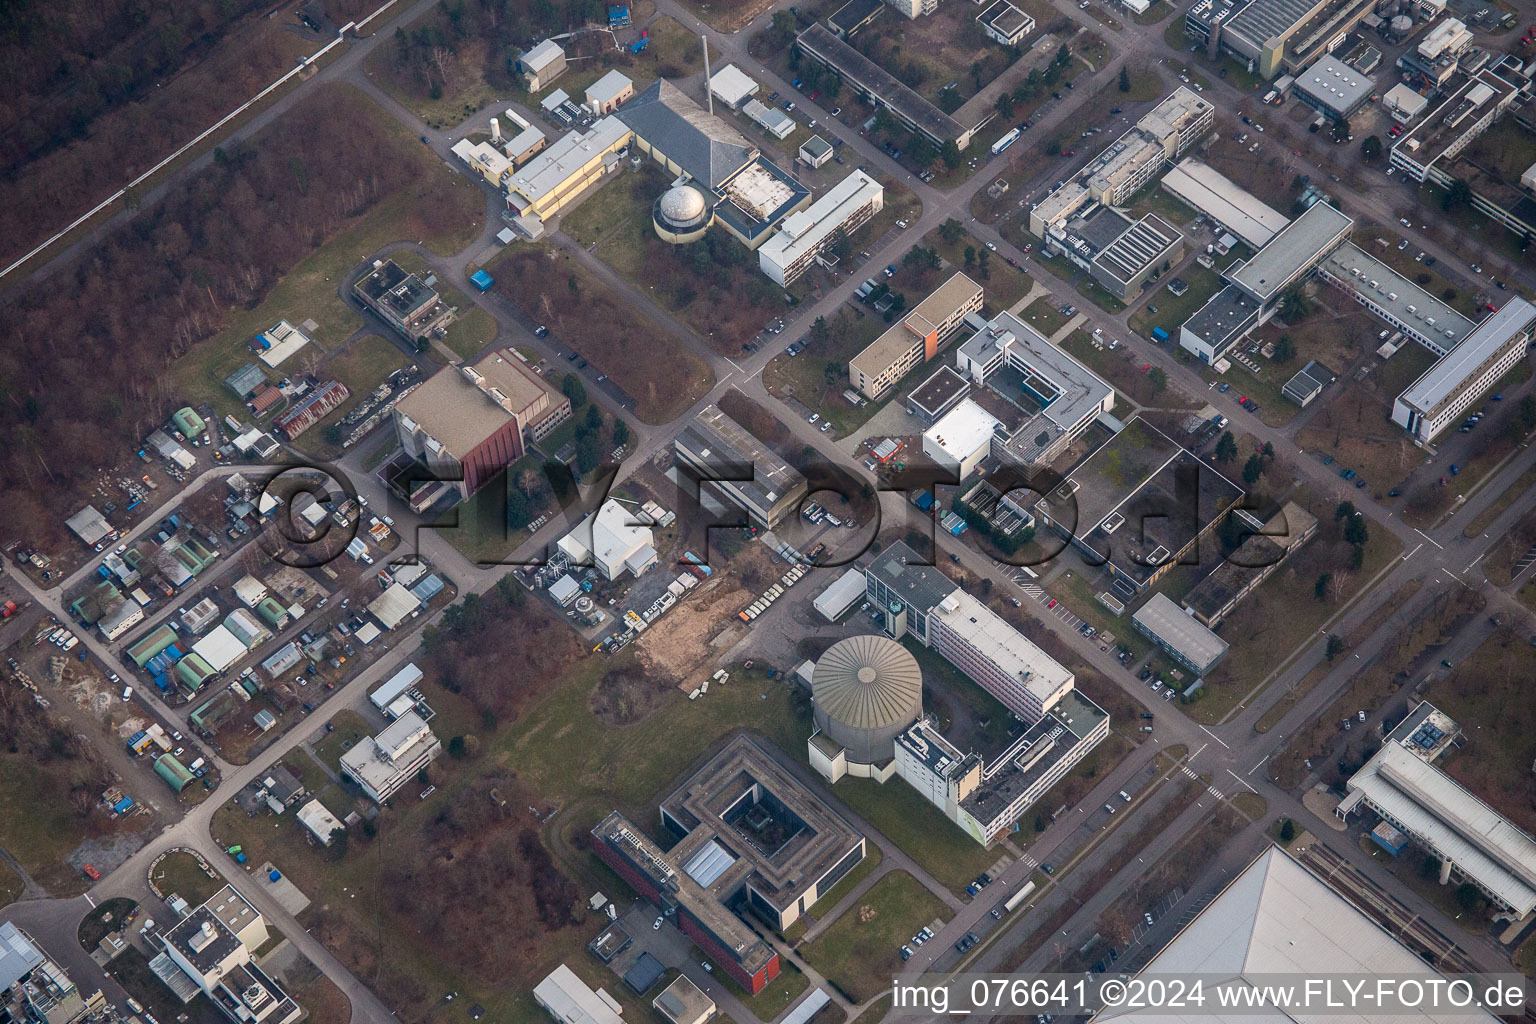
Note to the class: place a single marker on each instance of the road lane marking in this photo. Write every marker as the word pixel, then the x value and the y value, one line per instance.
pixel 1213 736
pixel 1239 778
pixel 1256 767
pixel 1427 537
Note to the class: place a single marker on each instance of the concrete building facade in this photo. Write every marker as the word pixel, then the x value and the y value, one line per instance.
pixel 916 339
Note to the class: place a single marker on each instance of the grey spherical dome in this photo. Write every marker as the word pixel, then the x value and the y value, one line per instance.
pixel 682 204
pixel 867 691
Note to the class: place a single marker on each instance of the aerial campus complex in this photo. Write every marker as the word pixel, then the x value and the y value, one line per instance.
pixel 666 515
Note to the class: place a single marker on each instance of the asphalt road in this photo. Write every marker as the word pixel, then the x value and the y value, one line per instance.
pixel 1231 754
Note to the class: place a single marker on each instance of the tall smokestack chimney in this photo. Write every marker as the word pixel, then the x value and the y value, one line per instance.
pixel 707 90
pixel 495 130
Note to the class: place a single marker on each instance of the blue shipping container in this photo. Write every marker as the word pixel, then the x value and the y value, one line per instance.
pixel 1159 334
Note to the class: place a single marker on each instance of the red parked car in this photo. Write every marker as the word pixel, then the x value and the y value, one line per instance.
pixel 91 872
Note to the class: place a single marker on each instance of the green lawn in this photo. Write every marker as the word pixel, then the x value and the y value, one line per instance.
pixel 1044 316
pixel 860 953
pixel 36 824
pixel 10 885
pixel 818 376
pixel 309 291
pixel 180 873
pixel 629 767
pixel 776 996
pixel 1002 285
pixel 1173 310
pixel 938 845
pixel 109 915
pixel 478 527
pixel 350 727
pixel 848 882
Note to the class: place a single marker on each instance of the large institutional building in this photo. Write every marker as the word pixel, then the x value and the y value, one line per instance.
pixel 1460 379
pixel 870 723
pixel 745 834
pixel 1279 918
pixel 1143 521
pixel 916 339
pixel 729 465
pixel 466 424
pixel 1255 287
pixel 210 952
pixel 1473 842
pixel 804 236
pixel 1067 395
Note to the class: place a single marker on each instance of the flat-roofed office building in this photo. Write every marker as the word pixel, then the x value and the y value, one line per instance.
pixel 1189 642
pixel 1067 396
pixel 881 87
pixel 1473 842
pixel 916 338
pixel 1466 373
pixel 728 463
pixel 803 237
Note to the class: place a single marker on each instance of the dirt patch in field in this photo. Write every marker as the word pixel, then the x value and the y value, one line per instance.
pixel 674 649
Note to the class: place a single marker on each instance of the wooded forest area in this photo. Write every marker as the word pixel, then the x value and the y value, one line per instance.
pixel 84 353
pixel 128 81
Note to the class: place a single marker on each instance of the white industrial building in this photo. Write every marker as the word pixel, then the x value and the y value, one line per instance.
pixel 1070 395
pixel 733 86
pixel 815 151
pixel 1404 103
pixel 211 952
pixel 220 648
pixel 249 590
pixel 845 591
pixel 961 439
pixel 615 539
pixel 400 694
pixel 770 119
pixel 1279 918
pixel 1402 784
pixel 569 1000
pixel 1201 186
pixel 382 764
pixel 394 606
pixel 1466 373
pixel 803 235
pixel 319 821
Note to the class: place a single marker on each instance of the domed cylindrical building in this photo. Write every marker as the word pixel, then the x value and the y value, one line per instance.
pixel 867 691
pixel 681 215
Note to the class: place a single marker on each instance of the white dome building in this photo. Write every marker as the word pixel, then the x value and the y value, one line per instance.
pixel 867 690
pixel 681 215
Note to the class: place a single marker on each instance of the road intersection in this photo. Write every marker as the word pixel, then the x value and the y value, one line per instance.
pixel 1231 755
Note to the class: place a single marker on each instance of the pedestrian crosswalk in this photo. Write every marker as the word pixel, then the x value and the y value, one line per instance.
pixel 1028 861
pixel 1187 770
